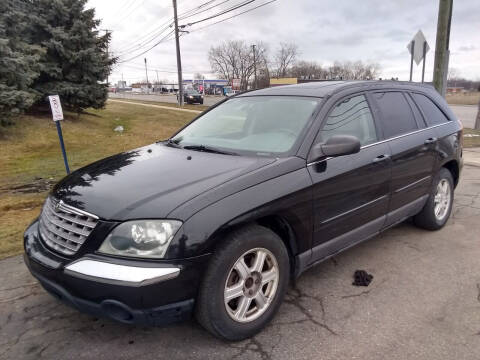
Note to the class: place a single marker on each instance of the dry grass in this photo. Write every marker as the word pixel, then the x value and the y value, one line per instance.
pixel 469 140
pixel 30 157
pixel 464 99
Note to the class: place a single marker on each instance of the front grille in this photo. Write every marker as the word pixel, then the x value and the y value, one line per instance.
pixel 64 228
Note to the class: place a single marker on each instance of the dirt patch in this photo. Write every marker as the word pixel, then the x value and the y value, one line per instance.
pixel 39 185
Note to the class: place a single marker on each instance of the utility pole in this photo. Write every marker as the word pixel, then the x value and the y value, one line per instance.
pixel 442 52
pixel 158 80
pixel 146 73
pixel 179 60
pixel 477 120
pixel 254 66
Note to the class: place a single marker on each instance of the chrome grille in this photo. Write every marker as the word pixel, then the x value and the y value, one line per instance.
pixel 64 228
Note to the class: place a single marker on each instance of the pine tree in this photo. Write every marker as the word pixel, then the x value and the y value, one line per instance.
pixel 75 63
pixel 18 60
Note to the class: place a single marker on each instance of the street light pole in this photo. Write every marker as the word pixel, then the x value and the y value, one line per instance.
pixel 146 73
pixel 179 60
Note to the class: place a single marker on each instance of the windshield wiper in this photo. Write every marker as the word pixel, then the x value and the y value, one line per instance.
pixel 208 149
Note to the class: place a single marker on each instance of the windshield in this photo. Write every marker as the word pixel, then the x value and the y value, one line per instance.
pixel 259 124
pixel 192 92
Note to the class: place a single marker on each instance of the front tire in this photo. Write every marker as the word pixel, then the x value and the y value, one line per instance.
pixel 244 284
pixel 438 208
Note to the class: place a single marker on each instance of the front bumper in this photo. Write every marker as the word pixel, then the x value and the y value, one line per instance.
pixel 130 291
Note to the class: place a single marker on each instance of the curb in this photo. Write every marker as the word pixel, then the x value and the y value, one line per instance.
pixel 471 163
pixel 155 106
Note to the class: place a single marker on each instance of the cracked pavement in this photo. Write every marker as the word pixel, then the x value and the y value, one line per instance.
pixel 423 303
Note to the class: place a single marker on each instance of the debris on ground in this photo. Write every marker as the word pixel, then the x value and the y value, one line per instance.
pixel 362 278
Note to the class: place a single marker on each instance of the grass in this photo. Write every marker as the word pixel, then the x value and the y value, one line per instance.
pixel 31 161
pixel 471 98
pixel 469 140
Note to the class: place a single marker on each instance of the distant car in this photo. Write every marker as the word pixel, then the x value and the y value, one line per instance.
pixel 219 218
pixel 191 96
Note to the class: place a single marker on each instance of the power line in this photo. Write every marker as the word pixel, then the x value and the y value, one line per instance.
pixel 144 43
pixel 163 39
pixel 221 12
pixel 143 39
pixel 196 8
pixel 122 7
pixel 199 12
pixel 127 11
pixel 234 16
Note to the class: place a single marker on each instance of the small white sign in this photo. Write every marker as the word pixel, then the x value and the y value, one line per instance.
pixel 56 107
pixel 419 39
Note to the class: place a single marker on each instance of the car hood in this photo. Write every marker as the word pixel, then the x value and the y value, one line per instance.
pixel 149 182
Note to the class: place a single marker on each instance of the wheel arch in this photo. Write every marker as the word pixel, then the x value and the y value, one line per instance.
pixel 453 167
pixel 276 223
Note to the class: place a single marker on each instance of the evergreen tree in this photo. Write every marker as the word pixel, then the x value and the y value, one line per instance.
pixel 18 59
pixel 75 64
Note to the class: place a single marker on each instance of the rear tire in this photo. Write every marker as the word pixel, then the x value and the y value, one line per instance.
pixel 438 208
pixel 237 304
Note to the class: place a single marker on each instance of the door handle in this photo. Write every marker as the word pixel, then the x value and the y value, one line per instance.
pixel 430 140
pixel 381 158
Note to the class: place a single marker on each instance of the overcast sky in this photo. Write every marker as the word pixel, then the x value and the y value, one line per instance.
pixel 324 30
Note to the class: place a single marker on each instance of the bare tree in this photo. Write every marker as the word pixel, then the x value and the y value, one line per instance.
pixel 284 58
pixel 234 60
pixel 307 70
pixel 353 71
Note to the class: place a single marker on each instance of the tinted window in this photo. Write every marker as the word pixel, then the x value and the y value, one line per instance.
pixel 351 116
pixel 396 113
pixel 433 115
pixel 416 112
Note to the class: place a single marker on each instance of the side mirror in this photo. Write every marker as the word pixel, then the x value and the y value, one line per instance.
pixel 337 145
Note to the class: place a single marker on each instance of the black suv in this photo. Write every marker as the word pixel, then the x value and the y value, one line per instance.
pixel 216 220
pixel 191 96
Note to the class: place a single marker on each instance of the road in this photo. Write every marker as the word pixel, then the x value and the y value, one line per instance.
pixel 209 100
pixel 466 113
pixel 423 303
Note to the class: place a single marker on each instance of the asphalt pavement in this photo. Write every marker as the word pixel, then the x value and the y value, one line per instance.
pixel 423 303
pixel 466 113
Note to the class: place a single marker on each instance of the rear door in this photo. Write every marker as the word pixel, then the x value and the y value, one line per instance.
pixel 350 193
pixel 413 153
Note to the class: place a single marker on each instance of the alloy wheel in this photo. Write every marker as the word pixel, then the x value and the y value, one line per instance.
pixel 251 285
pixel 442 199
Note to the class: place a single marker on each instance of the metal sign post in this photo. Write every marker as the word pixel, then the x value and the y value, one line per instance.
pixel 418 48
pixel 423 66
pixel 411 59
pixel 57 114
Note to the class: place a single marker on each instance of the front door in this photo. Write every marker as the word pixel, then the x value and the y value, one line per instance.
pixel 350 193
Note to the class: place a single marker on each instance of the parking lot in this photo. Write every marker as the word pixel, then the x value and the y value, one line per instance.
pixel 423 303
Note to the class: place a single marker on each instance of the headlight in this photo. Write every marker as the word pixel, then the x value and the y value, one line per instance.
pixel 141 238
pixel 190 96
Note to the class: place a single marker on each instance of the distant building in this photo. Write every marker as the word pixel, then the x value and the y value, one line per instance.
pixel 455 89
pixel 283 81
